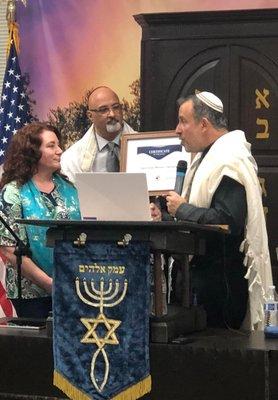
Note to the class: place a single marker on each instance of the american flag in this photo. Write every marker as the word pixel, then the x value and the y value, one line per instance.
pixel 6 306
pixel 14 113
pixel 14 108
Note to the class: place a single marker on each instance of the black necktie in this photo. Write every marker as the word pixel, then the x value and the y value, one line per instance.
pixel 112 162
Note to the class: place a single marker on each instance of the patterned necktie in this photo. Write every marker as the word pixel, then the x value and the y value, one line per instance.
pixel 112 161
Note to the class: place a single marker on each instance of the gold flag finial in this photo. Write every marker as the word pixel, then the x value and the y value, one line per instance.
pixel 11 10
pixel 10 13
pixel 12 25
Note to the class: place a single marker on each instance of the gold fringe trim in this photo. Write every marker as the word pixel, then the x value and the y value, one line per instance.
pixel 13 36
pixel 132 393
pixel 71 391
pixel 136 391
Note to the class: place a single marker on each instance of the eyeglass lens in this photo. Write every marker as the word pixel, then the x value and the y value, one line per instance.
pixel 105 110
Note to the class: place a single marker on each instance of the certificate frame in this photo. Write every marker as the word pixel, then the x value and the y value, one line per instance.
pixel 156 170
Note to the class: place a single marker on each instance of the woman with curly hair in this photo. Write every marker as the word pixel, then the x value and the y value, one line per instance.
pixel 33 188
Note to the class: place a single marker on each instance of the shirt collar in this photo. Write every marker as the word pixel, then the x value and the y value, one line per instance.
pixel 101 142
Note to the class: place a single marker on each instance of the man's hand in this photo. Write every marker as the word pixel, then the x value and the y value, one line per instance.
pixel 174 200
pixel 155 212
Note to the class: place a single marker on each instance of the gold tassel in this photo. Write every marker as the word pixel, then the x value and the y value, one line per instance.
pixel 13 37
pixel 136 391
pixel 71 391
pixel 132 393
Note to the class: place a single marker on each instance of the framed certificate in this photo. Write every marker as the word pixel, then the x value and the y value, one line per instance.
pixel 156 154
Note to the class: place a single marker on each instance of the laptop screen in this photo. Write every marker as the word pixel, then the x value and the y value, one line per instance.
pixel 108 196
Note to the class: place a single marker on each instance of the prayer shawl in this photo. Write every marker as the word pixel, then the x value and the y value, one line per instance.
pixel 80 156
pixel 230 155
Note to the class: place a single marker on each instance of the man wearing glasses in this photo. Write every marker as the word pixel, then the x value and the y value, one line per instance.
pixel 98 149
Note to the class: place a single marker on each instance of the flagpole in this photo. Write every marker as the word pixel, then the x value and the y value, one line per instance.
pixel 14 113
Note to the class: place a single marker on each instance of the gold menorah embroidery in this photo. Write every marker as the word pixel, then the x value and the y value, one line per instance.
pixel 100 298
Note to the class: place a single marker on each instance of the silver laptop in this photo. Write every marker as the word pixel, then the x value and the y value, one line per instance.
pixel 109 196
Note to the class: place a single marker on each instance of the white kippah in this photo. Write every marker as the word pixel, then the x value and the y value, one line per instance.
pixel 211 100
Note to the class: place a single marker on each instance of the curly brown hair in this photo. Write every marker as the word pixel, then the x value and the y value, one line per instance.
pixel 23 154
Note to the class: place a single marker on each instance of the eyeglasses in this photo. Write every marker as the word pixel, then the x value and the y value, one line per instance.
pixel 105 110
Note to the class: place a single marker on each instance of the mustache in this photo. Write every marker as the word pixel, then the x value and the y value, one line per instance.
pixel 112 120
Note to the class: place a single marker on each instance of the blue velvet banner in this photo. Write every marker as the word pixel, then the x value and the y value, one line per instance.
pixel 101 320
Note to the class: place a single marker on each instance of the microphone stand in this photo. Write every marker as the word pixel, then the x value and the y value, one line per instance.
pixel 21 249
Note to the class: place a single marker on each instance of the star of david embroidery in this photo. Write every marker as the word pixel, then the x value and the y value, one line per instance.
pixel 91 336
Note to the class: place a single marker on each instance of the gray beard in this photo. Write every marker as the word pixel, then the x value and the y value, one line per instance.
pixel 113 127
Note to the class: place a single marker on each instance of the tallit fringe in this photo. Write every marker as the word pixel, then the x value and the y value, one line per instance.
pixel 242 246
pixel 255 287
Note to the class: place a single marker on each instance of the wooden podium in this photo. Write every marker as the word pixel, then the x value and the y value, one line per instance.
pixel 165 237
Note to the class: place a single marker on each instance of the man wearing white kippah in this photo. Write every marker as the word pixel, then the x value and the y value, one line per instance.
pixel 221 187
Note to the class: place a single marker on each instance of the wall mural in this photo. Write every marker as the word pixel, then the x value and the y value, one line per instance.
pixel 69 47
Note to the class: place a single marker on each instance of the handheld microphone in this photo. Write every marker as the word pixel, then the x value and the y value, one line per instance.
pixel 181 171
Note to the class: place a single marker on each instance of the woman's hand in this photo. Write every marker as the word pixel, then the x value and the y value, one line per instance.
pixel 47 284
pixel 29 269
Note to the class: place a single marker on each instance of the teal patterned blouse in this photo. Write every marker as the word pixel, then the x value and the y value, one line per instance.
pixel 28 202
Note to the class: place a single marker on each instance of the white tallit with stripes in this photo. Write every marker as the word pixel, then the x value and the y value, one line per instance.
pixel 230 155
pixel 81 155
